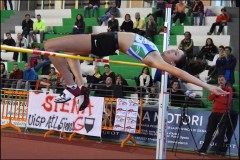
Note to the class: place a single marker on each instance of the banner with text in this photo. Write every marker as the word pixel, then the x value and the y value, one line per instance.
pixel 44 113
pixel 198 121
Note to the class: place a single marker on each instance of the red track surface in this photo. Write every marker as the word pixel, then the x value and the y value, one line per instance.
pixel 35 146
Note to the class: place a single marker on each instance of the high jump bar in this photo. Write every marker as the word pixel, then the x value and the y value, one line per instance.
pixel 62 55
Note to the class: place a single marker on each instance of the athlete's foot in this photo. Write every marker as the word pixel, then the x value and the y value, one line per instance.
pixel 68 94
pixel 84 91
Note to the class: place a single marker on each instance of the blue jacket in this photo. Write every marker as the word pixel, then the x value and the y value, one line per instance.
pixel 230 68
pixel 29 74
pixel 161 6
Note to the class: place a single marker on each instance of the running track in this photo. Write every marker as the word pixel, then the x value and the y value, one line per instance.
pixel 34 146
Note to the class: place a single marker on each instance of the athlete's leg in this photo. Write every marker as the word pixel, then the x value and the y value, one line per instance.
pixel 75 45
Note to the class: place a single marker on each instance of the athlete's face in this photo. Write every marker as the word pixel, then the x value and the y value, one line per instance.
pixel 174 56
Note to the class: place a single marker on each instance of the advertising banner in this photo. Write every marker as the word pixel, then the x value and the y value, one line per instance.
pixel 44 113
pixel 198 121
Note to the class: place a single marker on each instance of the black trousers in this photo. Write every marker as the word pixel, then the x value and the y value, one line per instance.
pixel 138 31
pixel 181 17
pixel 25 32
pixel 159 14
pixel 221 26
pixel 10 3
pixel 24 56
pixel 213 121
pixel 118 3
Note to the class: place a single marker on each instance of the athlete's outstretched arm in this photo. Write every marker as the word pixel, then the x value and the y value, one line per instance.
pixel 156 61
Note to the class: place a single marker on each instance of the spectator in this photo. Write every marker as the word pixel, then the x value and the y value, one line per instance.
pixel 27 25
pixel 52 80
pixel 158 78
pixel 208 51
pixel 29 76
pixel 95 78
pixel 108 73
pixel 113 25
pixel 197 11
pixel 160 10
pixel 106 90
pixel 4 75
pixel 127 25
pixel 218 69
pixel 38 28
pixel 10 42
pixel 145 78
pixel 44 63
pixel 151 28
pixel 177 96
pixel 221 21
pixel 179 12
pixel 21 42
pixel 10 3
pixel 139 25
pixel 118 3
pixel 15 74
pixel 230 66
pixel 121 87
pixel 153 95
pixel 92 4
pixel 221 104
pixel 187 45
pixel 79 26
pixel 33 57
pixel 111 10
pixel 173 2
pixel 144 81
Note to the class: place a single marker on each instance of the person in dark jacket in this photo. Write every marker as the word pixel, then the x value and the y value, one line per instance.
pixel 113 25
pixel 219 68
pixel 160 10
pixel 9 41
pixel 111 10
pixel 79 25
pixel 127 25
pixel 187 45
pixel 230 66
pixel 197 10
pixel 208 51
pixel 151 27
pixel 15 75
pixel 92 4
pixel 27 25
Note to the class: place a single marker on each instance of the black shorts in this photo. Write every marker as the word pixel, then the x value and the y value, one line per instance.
pixel 104 44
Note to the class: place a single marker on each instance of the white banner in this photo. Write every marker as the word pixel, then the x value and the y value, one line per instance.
pixel 126 115
pixel 44 113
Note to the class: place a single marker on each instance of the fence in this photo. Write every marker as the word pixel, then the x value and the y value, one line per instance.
pixel 15 107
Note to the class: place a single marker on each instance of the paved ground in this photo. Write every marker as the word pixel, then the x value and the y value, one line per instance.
pixel 35 146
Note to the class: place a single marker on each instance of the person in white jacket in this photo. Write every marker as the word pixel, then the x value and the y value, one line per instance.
pixel 23 43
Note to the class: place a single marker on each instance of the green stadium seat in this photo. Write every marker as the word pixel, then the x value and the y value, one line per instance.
pixel 5 14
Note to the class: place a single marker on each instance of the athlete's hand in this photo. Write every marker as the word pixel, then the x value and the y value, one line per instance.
pixel 218 91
